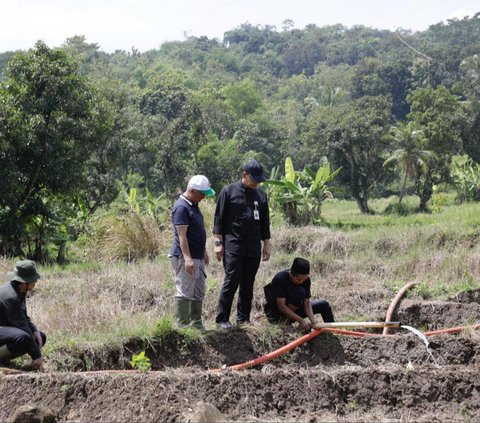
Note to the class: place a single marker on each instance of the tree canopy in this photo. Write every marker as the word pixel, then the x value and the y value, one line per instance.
pixel 76 123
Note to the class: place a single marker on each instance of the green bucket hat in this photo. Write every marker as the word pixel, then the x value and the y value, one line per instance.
pixel 25 272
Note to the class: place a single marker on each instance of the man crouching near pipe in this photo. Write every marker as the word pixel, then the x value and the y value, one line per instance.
pixel 18 335
pixel 287 298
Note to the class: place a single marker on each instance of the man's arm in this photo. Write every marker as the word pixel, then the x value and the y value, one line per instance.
pixel 17 317
pixel 218 246
pixel 218 225
pixel 307 305
pixel 35 332
pixel 265 229
pixel 288 312
pixel 182 237
pixel 266 250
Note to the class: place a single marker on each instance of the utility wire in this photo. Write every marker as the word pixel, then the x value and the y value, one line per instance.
pixel 412 48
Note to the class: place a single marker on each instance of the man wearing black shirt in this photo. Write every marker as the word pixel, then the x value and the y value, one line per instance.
pixel 288 297
pixel 18 334
pixel 242 222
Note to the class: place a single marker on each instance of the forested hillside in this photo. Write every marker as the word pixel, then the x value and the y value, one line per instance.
pixel 396 112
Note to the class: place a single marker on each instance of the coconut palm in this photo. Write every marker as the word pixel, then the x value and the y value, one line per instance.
pixel 411 157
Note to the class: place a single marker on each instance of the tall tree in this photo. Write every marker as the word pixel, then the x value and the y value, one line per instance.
pixel 352 136
pixel 439 112
pixel 46 131
pixel 410 155
pixel 471 82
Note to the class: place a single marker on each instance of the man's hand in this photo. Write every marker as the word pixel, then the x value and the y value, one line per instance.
pixel 38 364
pixel 219 252
pixel 266 250
pixel 189 265
pixel 305 325
pixel 38 339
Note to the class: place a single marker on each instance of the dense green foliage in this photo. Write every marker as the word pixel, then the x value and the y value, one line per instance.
pixel 301 194
pixel 75 122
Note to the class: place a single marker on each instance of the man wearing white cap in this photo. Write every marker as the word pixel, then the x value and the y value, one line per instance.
pixel 188 254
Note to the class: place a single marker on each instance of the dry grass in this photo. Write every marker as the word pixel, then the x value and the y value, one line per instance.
pixel 117 301
pixel 311 241
pixel 358 271
pixel 131 236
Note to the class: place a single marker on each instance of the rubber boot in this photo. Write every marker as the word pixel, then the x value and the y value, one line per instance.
pixel 196 314
pixel 182 311
pixel 5 355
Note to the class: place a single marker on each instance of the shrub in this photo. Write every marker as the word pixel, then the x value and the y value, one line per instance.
pixel 141 362
pixel 130 236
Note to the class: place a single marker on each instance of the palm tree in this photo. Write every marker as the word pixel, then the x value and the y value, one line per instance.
pixel 411 157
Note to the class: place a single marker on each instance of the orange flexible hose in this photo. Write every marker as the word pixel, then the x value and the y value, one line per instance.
pixel 452 330
pixel 316 332
pixel 395 302
pixel 352 332
pixel 273 354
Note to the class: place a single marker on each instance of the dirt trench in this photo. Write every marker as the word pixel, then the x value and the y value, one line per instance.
pixel 331 378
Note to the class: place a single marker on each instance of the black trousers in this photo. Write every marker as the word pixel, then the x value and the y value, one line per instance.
pixel 18 341
pixel 240 271
pixel 321 307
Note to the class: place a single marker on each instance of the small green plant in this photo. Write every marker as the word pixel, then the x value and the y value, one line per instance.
pixel 211 285
pixel 164 327
pixel 188 337
pixel 141 362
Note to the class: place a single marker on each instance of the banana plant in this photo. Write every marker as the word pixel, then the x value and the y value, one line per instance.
pixel 466 177
pixel 301 194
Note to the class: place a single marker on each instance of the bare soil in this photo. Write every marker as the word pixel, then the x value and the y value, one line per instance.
pixel 331 378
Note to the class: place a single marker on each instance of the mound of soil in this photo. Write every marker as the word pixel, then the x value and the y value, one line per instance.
pixel 331 378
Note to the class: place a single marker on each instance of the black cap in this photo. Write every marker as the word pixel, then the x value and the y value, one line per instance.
pixel 255 170
pixel 300 266
pixel 24 272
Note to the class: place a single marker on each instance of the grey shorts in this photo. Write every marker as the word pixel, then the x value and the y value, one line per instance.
pixel 189 286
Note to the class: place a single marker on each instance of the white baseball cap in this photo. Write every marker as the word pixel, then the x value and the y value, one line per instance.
pixel 200 183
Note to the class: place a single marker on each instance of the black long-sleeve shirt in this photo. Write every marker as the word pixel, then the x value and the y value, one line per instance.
pixel 13 313
pixel 235 219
